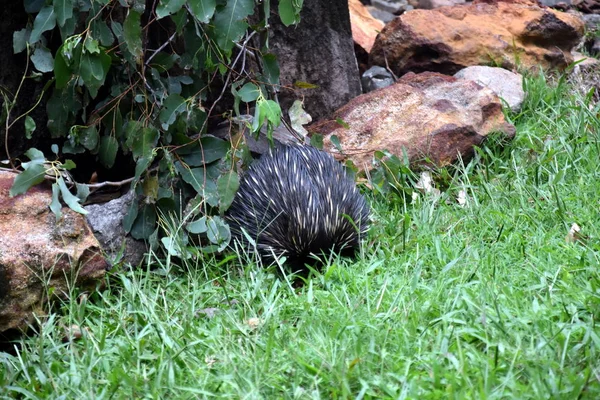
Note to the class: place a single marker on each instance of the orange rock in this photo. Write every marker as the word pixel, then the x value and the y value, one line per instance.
pixel 364 27
pixel 487 32
pixel 431 116
pixel 40 255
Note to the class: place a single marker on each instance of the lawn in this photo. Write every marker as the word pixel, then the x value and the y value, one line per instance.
pixel 493 298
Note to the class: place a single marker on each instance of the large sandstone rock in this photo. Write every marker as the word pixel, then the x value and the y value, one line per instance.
pixel 433 116
pixel 364 27
pixel 502 33
pixel 40 255
pixel 506 84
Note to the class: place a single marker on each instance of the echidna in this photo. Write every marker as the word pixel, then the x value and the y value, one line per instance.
pixel 297 201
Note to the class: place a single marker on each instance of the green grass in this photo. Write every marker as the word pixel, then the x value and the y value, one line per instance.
pixel 483 301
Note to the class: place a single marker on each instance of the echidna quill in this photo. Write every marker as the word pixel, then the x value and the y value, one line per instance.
pixel 297 201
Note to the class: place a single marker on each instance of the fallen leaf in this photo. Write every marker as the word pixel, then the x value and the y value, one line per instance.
pixel 208 312
pixel 210 361
pixel 425 184
pixel 253 323
pixel 574 234
pixel 461 198
pixel 74 332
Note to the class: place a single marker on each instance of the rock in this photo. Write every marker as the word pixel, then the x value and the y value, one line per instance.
pixel 319 51
pixel 381 15
pixel 503 33
pixel 364 27
pixel 507 85
pixel 431 115
pixel 592 38
pixel 554 3
pixel 587 6
pixel 376 78
pixel 585 77
pixel 40 255
pixel 595 47
pixel 591 21
pixel 394 7
pixel 431 4
pixel 585 63
pixel 106 221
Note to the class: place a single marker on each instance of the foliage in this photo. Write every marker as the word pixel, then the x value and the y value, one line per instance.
pixel 141 78
pixel 35 172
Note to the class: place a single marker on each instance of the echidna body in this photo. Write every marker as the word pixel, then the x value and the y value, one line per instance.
pixel 297 201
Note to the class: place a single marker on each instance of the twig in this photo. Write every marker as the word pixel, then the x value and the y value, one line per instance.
pixel 225 85
pixel 9 109
pixel 160 48
pixel 92 185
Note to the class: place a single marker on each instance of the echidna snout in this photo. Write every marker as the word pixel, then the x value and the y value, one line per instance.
pixel 297 201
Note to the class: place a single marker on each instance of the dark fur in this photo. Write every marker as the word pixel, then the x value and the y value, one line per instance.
pixel 297 201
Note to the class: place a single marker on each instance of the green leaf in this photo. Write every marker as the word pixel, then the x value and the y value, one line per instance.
pixel 33 6
pixel 36 156
pixel 142 165
pixel 57 115
pixel 210 149
pixel 198 226
pixel 91 45
pixel 90 68
pixel 44 21
pixel 68 29
pixel 271 68
pixel 131 216
pixel 259 118
pixel 229 22
pixel 68 165
pixel 167 7
pixel 173 106
pixel 289 13
pixel 218 232
pixel 101 32
pixel 144 223
pixel 55 205
pixel 171 246
pixel 132 34
pixel 28 178
pixel 199 178
pixel 108 151
pixel 71 200
pixel 342 123
pixel 63 10
pixel 180 18
pixel 33 173
pixel 316 141
pixel 42 59
pixel 249 92
pixel 227 185
pixel 272 111
pixel 143 144
pixel 29 126
pixel 83 191
pixel 20 39
pixel 93 69
pixel 203 10
pixel 88 137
